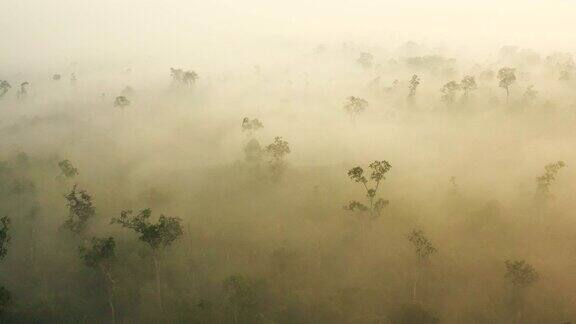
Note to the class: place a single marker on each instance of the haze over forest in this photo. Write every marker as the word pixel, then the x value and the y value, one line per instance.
pixel 287 162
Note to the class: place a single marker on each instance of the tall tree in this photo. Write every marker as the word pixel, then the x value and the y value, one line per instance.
pixel 424 249
pixel 374 210
pixel 158 236
pixel 100 255
pixel 506 77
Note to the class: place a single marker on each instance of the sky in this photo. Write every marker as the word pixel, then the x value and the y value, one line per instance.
pixel 40 31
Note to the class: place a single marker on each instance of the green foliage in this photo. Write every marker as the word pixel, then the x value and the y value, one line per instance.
pixel 423 247
pixel 68 170
pixel 520 273
pixel 80 208
pixel 156 235
pixel 379 170
pixel 99 253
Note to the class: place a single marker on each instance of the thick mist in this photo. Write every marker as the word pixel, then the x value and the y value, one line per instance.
pixel 302 162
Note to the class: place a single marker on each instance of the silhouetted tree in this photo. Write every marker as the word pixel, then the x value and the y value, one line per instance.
pixel 5 296
pixel 277 152
pixel 506 77
pixel 241 299
pixel 67 169
pixel 379 170
pixel 157 236
pixel 23 92
pixel 121 101
pixel 521 275
pixel 80 210
pixel 449 92
pixel 412 86
pixel 424 249
pixel 529 95
pixel 100 255
pixel 468 84
pixel 355 105
pixel 4 87
pixel 544 181
pixel 182 77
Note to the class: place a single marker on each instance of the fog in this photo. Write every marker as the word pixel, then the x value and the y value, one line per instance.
pixel 296 162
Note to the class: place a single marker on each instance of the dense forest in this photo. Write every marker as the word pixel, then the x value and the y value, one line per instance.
pixel 342 183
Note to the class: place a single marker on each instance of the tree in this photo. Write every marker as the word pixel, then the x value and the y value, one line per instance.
pixel 529 95
pixel 241 298
pixel 355 105
pixel 468 84
pixel 277 152
pixel 379 169
pixel 521 275
pixel 181 77
pixel 544 181
pixel 412 86
pixel 424 249
pixel 4 236
pixel 67 169
pixel 100 255
pixel 157 236
pixel 506 77
pixel 80 210
pixel 5 296
pixel 121 101
pixel 449 92
pixel 23 92
pixel 251 125
pixel 4 87
pixel 365 60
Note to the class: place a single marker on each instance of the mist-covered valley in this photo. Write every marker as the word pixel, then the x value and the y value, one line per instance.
pixel 287 179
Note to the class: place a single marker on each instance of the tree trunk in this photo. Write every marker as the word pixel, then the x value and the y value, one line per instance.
pixel 110 290
pixel 158 283
pixel 416 279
